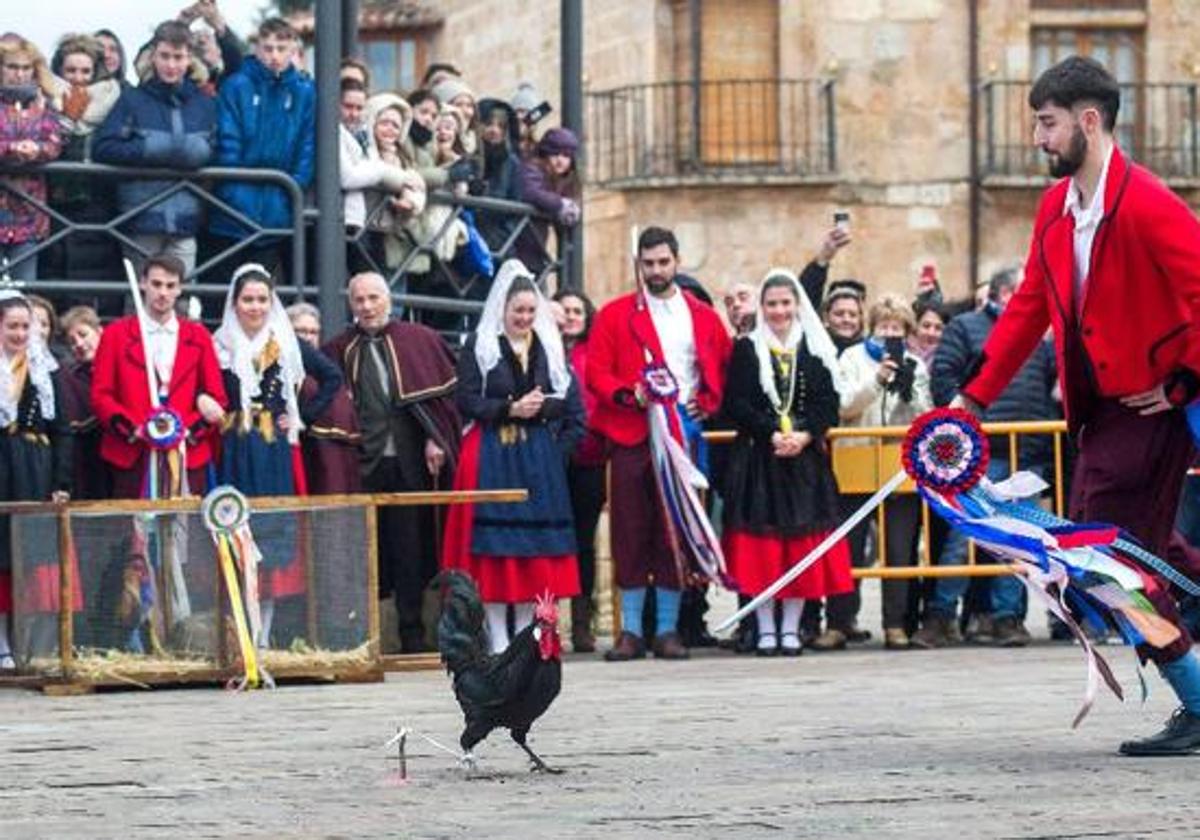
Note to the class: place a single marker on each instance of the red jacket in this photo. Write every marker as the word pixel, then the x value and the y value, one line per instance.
pixel 1140 320
pixel 121 398
pixel 617 346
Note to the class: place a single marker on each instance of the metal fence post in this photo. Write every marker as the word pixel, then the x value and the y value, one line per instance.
pixel 831 124
pixel 990 111
pixel 330 268
pixel 1195 131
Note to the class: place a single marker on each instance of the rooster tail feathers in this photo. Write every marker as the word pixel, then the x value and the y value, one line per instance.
pixel 461 638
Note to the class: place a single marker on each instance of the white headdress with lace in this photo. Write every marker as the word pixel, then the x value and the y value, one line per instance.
pixel 237 351
pixel 806 325
pixel 41 363
pixel 491 327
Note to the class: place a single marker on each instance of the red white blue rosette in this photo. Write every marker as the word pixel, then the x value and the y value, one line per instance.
pixel 661 386
pixel 946 450
pixel 164 428
pixel 225 509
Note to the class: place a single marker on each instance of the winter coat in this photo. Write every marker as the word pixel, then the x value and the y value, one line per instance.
pixel 19 221
pixel 864 402
pixel 1027 397
pixel 158 125
pixel 264 121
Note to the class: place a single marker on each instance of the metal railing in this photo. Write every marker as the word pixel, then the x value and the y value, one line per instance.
pixel 712 130
pixel 198 182
pixel 1158 125
pixel 460 292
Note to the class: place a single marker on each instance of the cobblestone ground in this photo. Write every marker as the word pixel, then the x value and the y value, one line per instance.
pixel 959 743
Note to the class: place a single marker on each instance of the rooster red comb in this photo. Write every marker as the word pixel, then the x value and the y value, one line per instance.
pixel 545 610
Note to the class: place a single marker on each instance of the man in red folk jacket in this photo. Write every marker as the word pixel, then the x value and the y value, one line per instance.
pixel 188 381
pixel 1114 268
pixel 665 326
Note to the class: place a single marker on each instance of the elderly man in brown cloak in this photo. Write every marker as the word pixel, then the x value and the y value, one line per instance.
pixel 402 376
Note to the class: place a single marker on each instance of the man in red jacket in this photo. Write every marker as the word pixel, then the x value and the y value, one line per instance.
pixel 660 326
pixel 187 377
pixel 1114 268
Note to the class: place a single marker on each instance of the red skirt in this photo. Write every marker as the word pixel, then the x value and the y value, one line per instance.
pixel 755 562
pixel 289 580
pixel 41 590
pixel 511 580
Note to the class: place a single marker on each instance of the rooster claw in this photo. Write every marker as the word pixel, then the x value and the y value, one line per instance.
pixel 469 762
pixel 539 766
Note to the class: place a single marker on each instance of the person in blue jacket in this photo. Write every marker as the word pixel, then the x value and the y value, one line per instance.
pixel 166 121
pixel 265 120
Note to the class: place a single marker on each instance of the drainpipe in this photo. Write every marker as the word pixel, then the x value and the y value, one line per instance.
pixel 571 96
pixel 330 268
pixel 975 189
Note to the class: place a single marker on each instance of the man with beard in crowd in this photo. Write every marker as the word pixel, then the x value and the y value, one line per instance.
pixel 1114 268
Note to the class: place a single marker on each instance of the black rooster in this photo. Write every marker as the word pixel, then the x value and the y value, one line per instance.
pixel 508 690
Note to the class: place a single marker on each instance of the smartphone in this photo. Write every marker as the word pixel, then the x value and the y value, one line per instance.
pixel 841 220
pixel 894 348
pixel 536 113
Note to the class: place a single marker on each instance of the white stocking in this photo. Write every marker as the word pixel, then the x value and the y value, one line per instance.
pixel 766 624
pixel 5 646
pixel 497 622
pixel 267 613
pixel 790 632
pixel 522 615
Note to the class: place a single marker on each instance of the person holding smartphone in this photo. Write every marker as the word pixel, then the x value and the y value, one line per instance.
pixel 883 384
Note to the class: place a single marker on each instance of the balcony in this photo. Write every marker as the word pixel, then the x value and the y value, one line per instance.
pixel 757 131
pixel 1158 125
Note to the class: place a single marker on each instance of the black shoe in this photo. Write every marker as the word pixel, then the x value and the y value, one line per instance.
pixel 747 642
pixel 857 636
pixel 768 645
pixel 1181 736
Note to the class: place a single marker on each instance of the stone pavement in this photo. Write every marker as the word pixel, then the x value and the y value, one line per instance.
pixel 965 743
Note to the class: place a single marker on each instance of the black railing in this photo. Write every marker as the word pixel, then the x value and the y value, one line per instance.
pixel 700 131
pixel 1158 125
pixel 456 291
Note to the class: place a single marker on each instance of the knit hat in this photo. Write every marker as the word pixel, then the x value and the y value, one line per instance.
pixel 448 90
pixel 526 98
pixel 558 141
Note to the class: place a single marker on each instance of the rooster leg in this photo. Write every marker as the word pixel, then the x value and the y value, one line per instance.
pixel 539 766
pixel 469 762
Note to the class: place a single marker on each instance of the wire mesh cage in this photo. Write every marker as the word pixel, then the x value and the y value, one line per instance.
pixel 114 593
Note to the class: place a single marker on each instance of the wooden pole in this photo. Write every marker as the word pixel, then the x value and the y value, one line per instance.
pixel 66 594
pixel 371 522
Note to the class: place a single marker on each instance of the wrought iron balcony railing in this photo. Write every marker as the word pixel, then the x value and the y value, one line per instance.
pixel 1158 125
pixel 697 131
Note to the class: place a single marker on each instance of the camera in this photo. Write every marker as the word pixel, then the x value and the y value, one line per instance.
pixel 841 220
pixel 536 113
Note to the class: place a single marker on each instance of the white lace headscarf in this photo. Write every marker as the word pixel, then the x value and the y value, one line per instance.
pixel 806 325
pixel 41 363
pixel 237 351
pixel 491 327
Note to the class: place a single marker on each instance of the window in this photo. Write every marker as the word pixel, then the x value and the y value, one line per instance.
pixel 396 60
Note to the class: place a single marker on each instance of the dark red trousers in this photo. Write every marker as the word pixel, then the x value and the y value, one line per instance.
pixel 1130 473
pixel 640 544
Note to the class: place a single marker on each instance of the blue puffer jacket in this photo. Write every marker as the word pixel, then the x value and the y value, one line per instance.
pixel 264 121
pixel 156 124
pixel 1027 397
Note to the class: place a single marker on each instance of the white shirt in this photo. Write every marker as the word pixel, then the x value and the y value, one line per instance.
pixel 673 322
pixel 1087 220
pixel 162 340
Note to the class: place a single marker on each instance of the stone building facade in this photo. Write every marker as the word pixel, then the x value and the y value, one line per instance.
pixel 898 73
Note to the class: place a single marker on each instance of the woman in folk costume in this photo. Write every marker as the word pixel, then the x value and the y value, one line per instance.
pixel 781 497
pixel 35 465
pixel 515 387
pixel 263 366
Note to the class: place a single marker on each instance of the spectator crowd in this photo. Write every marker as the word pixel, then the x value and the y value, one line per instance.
pixel 544 394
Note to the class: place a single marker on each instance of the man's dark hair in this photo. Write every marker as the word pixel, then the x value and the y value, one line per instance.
pixel 1078 79
pixel 352 84
pixel 1005 278
pixel 420 95
pixel 439 67
pixel 167 262
pixel 652 237
pixel 279 28
pixel 921 307
pixel 172 32
pixel 358 64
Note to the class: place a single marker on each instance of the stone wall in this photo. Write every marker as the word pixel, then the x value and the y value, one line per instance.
pixel 901 68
